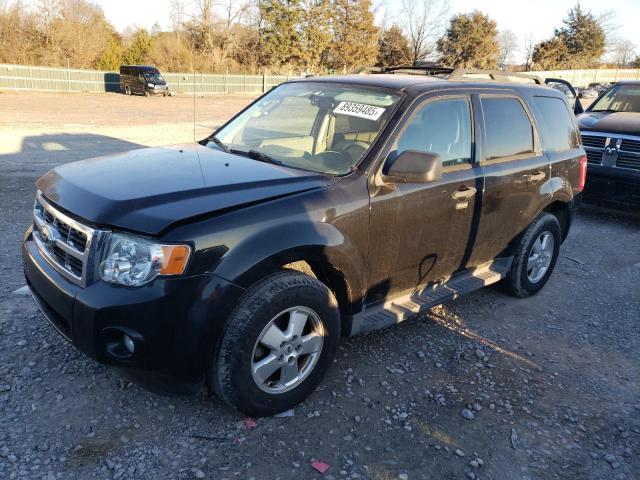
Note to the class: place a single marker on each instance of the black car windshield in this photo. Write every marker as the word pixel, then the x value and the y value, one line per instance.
pixel 315 126
pixel 620 98
pixel 153 77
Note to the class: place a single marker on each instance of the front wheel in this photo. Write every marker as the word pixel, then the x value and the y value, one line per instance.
pixel 535 257
pixel 277 345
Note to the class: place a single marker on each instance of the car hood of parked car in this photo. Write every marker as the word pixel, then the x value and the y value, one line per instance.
pixel 149 189
pixel 626 123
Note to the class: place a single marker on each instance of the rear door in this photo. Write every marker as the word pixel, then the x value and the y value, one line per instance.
pixel 516 172
pixel 420 231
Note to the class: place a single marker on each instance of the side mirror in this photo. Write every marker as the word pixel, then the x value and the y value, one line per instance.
pixel 413 166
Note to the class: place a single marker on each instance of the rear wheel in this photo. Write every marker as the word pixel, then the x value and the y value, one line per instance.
pixel 127 90
pixel 535 258
pixel 277 345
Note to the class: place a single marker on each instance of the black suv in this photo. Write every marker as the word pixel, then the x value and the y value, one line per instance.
pixel 610 130
pixel 329 207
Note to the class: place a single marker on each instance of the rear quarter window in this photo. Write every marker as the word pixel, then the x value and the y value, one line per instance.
pixel 508 130
pixel 559 131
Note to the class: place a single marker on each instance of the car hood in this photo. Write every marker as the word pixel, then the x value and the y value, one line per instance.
pixel 149 189
pixel 626 123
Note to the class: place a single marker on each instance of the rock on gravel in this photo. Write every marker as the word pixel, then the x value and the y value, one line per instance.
pixel 467 414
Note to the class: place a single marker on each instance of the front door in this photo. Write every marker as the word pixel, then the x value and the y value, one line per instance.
pixel 420 232
pixel 517 173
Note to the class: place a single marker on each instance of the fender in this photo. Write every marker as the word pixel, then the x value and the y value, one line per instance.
pixel 253 258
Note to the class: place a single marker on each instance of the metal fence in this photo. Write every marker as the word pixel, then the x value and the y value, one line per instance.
pixel 22 77
pixel 582 78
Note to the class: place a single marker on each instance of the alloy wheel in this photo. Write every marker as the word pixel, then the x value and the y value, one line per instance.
pixel 540 256
pixel 287 350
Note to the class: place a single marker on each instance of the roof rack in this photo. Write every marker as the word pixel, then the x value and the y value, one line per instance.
pixel 460 73
pixel 420 69
pixel 457 73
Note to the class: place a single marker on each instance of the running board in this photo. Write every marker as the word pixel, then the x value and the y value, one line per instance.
pixel 419 301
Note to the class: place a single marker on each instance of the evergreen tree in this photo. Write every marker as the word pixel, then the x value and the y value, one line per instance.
pixel 356 36
pixel 551 54
pixel 138 51
pixel 316 33
pixel 111 58
pixel 393 48
pixel 584 38
pixel 579 44
pixel 281 42
pixel 471 41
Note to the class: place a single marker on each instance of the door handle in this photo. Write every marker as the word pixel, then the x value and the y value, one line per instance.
pixel 464 193
pixel 536 176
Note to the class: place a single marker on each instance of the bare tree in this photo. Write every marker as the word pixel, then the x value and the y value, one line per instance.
pixel 424 22
pixel 529 48
pixel 508 45
pixel 623 53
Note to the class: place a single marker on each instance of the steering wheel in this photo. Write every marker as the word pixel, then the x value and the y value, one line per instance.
pixel 355 149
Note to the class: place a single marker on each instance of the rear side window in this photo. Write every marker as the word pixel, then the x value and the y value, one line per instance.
pixel 508 129
pixel 559 132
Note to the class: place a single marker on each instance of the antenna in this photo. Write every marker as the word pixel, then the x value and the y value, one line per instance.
pixel 193 72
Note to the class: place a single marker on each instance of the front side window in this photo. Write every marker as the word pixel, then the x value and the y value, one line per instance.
pixel 442 127
pixel 314 126
pixel 620 98
pixel 559 131
pixel 508 130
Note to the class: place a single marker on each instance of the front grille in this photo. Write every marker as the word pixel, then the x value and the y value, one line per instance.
pixel 594 156
pixel 628 160
pixel 630 145
pixel 593 141
pixel 63 241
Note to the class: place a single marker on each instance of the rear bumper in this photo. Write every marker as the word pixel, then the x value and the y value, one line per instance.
pixel 612 186
pixel 174 323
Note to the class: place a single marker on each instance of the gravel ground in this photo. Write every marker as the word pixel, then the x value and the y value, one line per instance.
pixel 486 387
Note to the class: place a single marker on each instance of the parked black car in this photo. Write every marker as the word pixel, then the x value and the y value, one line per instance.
pixel 610 130
pixel 142 79
pixel 330 206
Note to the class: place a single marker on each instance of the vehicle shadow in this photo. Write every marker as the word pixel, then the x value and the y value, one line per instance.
pixel 50 150
pixel 607 214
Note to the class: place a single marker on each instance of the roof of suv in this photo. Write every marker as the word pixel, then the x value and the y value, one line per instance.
pixel 402 81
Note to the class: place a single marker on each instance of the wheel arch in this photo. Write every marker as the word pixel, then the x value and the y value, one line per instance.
pixel 562 211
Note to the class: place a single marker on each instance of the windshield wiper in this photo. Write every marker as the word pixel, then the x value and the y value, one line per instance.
pixel 256 155
pixel 606 110
pixel 219 143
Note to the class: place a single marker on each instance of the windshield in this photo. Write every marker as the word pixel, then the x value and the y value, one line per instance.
pixel 313 126
pixel 620 98
pixel 153 77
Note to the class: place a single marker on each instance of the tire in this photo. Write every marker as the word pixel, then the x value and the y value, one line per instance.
pixel 234 374
pixel 523 280
pixel 145 92
pixel 127 90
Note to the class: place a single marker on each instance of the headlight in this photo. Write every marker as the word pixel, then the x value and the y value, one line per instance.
pixel 151 85
pixel 135 261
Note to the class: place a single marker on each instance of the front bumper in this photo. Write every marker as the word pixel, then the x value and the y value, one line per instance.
pixel 158 91
pixel 174 323
pixel 612 186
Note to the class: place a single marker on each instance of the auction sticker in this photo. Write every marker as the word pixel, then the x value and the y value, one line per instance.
pixel 359 110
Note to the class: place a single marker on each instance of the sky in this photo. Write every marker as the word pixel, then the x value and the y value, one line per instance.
pixel 536 17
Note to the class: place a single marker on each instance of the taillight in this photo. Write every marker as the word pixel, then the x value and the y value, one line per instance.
pixel 583 172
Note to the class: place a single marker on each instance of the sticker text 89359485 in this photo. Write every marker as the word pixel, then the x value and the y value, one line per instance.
pixel 359 110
